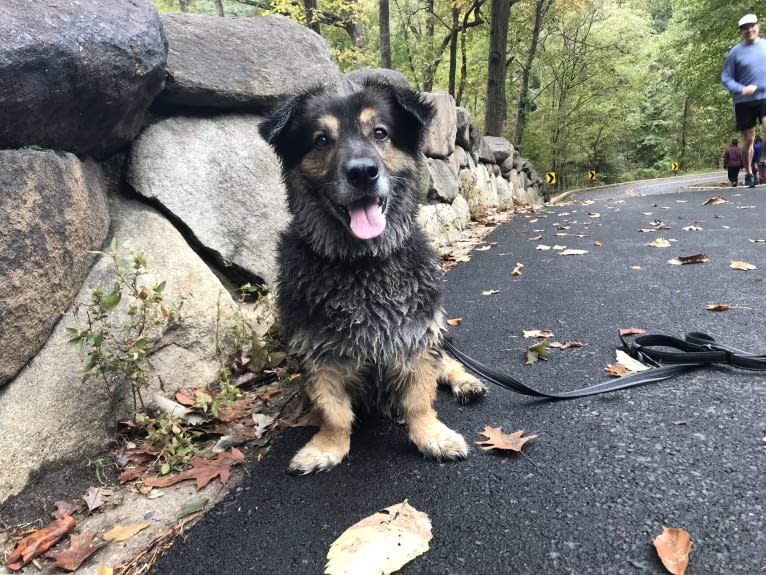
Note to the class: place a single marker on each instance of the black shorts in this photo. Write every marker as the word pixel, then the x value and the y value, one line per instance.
pixel 748 114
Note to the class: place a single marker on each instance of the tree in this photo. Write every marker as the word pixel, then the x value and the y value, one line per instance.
pixel 495 114
pixel 385 34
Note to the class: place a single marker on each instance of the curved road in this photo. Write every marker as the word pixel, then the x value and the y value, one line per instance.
pixel 606 473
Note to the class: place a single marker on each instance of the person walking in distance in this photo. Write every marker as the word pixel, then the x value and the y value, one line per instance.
pixel 757 160
pixel 744 75
pixel 732 162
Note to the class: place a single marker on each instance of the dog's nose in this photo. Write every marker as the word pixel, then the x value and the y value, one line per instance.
pixel 361 172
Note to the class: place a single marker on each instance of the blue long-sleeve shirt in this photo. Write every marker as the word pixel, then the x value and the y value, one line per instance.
pixel 745 64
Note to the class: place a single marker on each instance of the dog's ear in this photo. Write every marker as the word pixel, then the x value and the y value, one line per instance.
pixel 276 122
pixel 411 102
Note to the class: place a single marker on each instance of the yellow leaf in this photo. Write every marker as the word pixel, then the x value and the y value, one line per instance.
pixel 123 532
pixel 381 543
pixel 105 570
pixel 537 333
pixel 673 548
pixel 744 266
pixel 659 243
pixel 517 270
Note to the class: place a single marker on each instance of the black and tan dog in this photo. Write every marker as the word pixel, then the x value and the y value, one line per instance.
pixel 359 287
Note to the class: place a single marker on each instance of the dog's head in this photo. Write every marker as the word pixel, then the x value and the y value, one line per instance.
pixel 351 165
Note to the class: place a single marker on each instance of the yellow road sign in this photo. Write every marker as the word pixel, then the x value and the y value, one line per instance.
pixel 674 166
pixel 550 177
pixel 592 175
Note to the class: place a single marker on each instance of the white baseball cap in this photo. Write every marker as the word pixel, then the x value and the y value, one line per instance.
pixel 748 19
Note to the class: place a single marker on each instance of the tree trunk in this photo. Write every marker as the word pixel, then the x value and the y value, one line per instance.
pixel 183 5
pixel 428 69
pixel 541 8
pixel 453 50
pixel 498 37
pixel 218 7
pixel 385 34
pixel 309 7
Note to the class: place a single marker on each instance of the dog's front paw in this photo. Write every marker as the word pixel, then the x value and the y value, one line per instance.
pixel 315 457
pixel 440 442
pixel 467 388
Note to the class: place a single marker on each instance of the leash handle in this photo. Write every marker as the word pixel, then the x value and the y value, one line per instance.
pixel 696 350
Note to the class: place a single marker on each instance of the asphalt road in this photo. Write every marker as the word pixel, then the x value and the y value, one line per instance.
pixel 606 473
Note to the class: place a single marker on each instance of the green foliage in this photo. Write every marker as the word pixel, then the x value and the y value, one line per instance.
pixel 121 326
pixel 169 437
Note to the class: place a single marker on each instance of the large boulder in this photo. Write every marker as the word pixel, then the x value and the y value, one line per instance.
pixel 440 136
pixel 72 417
pixel 218 177
pixel 78 76
pixel 54 210
pixel 242 62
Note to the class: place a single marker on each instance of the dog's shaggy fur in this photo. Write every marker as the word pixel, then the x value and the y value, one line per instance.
pixel 358 294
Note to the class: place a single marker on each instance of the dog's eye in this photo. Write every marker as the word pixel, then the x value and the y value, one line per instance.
pixel 321 141
pixel 380 134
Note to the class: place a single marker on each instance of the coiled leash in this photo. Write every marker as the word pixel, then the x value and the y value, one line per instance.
pixel 694 351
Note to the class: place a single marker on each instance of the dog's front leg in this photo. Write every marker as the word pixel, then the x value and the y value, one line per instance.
pixel 418 393
pixel 328 393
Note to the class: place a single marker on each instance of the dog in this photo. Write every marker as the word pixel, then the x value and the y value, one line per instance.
pixel 358 288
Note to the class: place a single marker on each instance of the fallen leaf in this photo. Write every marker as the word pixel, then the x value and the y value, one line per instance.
pixel 79 550
pixel 744 266
pixel 673 547
pixel 572 252
pixel 105 570
pixel 517 270
pixel 636 268
pixel 535 238
pixel 559 247
pixel 715 201
pixel 123 532
pixel 455 321
pixel 537 333
pixel 759 241
pixel 692 229
pixel 380 544
pixel 193 505
pixel 717 307
pixel 496 439
pixel 659 243
pixel 490 292
pixel 629 362
pixel 616 370
pixel 537 351
pixel 632 331
pixel 695 259
pixel 597 244
pixel 566 344
pixel 543 248
pixel 203 470
pixel 96 497
pixel 37 543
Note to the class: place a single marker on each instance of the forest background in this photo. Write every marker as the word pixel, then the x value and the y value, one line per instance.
pixel 622 88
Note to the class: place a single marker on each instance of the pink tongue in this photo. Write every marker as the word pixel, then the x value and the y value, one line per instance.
pixel 368 221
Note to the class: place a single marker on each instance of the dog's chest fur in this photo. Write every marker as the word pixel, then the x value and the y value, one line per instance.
pixel 368 310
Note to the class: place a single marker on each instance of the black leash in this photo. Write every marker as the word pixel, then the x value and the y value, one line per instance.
pixel 694 351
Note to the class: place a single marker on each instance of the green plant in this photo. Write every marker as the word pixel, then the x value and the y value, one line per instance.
pixel 169 437
pixel 117 341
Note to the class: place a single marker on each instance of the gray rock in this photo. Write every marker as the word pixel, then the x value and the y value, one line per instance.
pixel 444 184
pixel 463 134
pixel 78 76
pixel 440 137
pixel 242 62
pixel 55 210
pixel 501 148
pixel 220 179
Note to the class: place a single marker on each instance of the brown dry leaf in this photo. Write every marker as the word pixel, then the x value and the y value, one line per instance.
pixel 496 439
pixel 566 344
pixel 673 547
pixel 382 543
pixel 203 470
pixel 717 307
pixel 616 370
pixel 37 543
pixel 455 321
pixel 517 270
pixel 744 266
pixel 695 259
pixel 715 201
pixel 535 238
pixel 96 497
pixel 632 331
pixel 123 532
pixel 597 244
pixel 490 292
pixel 79 550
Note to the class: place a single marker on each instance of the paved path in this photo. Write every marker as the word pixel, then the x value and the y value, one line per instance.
pixel 606 473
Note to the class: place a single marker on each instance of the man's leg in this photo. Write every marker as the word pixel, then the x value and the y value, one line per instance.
pixel 748 137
